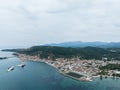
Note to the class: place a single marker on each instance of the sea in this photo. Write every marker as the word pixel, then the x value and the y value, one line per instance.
pixel 40 76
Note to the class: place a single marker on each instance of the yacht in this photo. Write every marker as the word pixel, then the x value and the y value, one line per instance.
pixel 10 68
pixel 21 65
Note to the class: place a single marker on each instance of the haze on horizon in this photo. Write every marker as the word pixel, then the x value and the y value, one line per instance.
pixel 35 22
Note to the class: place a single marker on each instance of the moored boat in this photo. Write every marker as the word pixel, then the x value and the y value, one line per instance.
pixel 10 68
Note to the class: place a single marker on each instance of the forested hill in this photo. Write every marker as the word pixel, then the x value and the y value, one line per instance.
pixel 62 52
pixel 87 44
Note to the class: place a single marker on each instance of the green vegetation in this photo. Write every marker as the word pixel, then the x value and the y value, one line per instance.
pixel 117 75
pixel 103 72
pixel 68 52
pixel 111 67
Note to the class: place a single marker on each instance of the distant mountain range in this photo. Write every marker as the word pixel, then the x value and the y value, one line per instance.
pixel 87 44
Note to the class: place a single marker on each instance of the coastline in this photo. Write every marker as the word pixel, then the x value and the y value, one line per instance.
pixel 65 74
pixel 45 75
pixel 55 65
pixel 62 73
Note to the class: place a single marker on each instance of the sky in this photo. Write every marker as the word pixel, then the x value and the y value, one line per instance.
pixel 36 22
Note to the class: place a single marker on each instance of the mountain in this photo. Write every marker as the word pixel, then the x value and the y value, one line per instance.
pixel 87 44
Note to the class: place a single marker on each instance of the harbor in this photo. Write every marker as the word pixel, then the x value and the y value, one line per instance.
pixel 45 77
pixel 81 70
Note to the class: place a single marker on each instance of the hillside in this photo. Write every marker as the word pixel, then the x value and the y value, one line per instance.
pixel 68 52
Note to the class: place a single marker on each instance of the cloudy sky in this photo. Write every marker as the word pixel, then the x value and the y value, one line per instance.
pixel 35 22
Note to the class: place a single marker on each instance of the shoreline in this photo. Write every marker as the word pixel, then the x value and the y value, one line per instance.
pixel 62 73
pixel 55 64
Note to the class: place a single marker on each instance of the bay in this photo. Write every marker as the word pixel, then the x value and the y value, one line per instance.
pixel 40 76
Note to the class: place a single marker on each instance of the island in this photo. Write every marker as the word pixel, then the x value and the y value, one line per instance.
pixel 2 58
pixel 82 64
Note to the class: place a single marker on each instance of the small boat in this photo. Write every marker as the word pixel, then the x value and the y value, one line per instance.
pixel 21 65
pixel 10 68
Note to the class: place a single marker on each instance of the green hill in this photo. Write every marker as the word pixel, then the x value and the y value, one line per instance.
pixel 69 52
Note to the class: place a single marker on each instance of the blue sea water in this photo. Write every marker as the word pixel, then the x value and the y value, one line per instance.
pixel 40 76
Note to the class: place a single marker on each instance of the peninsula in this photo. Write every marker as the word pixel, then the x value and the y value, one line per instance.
pixel 82 64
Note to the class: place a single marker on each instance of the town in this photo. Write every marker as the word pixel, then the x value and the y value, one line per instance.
pixel 83 70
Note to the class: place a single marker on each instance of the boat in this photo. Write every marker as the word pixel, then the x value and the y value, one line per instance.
pixel 10 68
pixel 21 65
